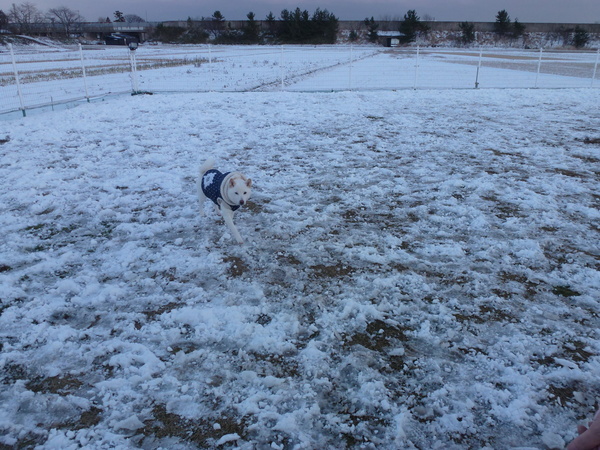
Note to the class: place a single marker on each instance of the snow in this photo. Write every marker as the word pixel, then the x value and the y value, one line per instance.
pixel 53 77
pixel 421 270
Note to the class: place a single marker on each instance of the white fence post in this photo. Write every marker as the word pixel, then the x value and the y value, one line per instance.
pixel 595 67
pixel 87 95
pixel 134 80
pixel 416 68
pixel 478 68
pixel 351 61
pixel 281 69
pixel 537 75
pixel 14 64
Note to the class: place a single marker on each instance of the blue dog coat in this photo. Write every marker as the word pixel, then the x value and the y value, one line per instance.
pixel 212 181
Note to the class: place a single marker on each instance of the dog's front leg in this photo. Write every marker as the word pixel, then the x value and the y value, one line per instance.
pixel 227 214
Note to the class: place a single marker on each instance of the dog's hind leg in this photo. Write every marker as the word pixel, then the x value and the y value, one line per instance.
pixel 201 196
pixel 201 200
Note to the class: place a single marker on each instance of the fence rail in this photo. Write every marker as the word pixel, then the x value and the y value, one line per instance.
pixel 31 80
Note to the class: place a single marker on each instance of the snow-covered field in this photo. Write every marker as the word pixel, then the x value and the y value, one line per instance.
pixel 421 270
pixel 54 76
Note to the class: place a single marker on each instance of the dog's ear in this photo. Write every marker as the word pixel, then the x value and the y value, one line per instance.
pixel 249 182
pixel 231 182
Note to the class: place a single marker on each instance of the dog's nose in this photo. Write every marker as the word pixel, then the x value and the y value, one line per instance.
pixel 242 202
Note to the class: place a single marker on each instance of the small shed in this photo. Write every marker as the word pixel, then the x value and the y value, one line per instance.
pixel 390 38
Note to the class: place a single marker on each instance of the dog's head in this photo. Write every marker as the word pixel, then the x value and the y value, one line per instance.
pixel 238 190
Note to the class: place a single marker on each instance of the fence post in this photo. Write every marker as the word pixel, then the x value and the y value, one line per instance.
pixel 417 68
pixel 134 81
pixel 595 67
pixel 209 54
pixel 478 68
pixel 87 95
pixel 351 61
pixel 14 64
pixel 281 69
pixel 538 67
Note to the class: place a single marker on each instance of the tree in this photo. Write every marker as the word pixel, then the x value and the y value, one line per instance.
pixel 324 27
pixel 580 37
pixel 372 27
pixel 299 27
pixel 66 17
pixel 3 20
pixel 119 17
pixel 251 29
pixel 218 17
pixel 502 24
pixel 518 29
pixel 271 24
pixel 215 24
pixel 468 32
pixel 24 17
pixel 194 34
pixel 411 26
pixel 294 26
pixel 133 18
pixel 168 34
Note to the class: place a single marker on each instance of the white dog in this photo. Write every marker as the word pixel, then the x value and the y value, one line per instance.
pixel 228 191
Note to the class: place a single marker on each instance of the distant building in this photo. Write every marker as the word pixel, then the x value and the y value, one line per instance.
pixel 389 38
pixel 120 39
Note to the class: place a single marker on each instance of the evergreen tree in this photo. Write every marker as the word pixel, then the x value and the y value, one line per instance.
pixel 580 37
pixel 411 26
pixel 372 27
pixel 119 17
pixel 468 32
pixel 251 29
pixel 518 29
pixel 218 17
pixel 502 24
pixel 324 27
pixel 295 26
pixel 299 27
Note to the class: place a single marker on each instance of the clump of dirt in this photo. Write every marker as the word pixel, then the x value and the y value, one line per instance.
pixel 237 266
pixel 202 433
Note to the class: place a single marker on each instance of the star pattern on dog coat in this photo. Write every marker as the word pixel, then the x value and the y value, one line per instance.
pixel 211 186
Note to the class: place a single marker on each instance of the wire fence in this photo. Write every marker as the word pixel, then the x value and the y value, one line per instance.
pixel 47 78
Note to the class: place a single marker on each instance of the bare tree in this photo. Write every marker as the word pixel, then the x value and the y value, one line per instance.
pixel 133 18
pixel 24 16
pixel 3 19
pixel 66 17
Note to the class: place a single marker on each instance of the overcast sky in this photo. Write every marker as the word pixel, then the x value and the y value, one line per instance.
pixel 562 11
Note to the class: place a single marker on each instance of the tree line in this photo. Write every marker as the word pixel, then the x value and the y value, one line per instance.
pixel 292 26
pixel 26 18
pixel 411 27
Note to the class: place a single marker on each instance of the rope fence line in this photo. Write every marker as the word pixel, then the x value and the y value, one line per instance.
pixel 45 79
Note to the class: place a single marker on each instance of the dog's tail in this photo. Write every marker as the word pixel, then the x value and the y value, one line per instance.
pixel 208 164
